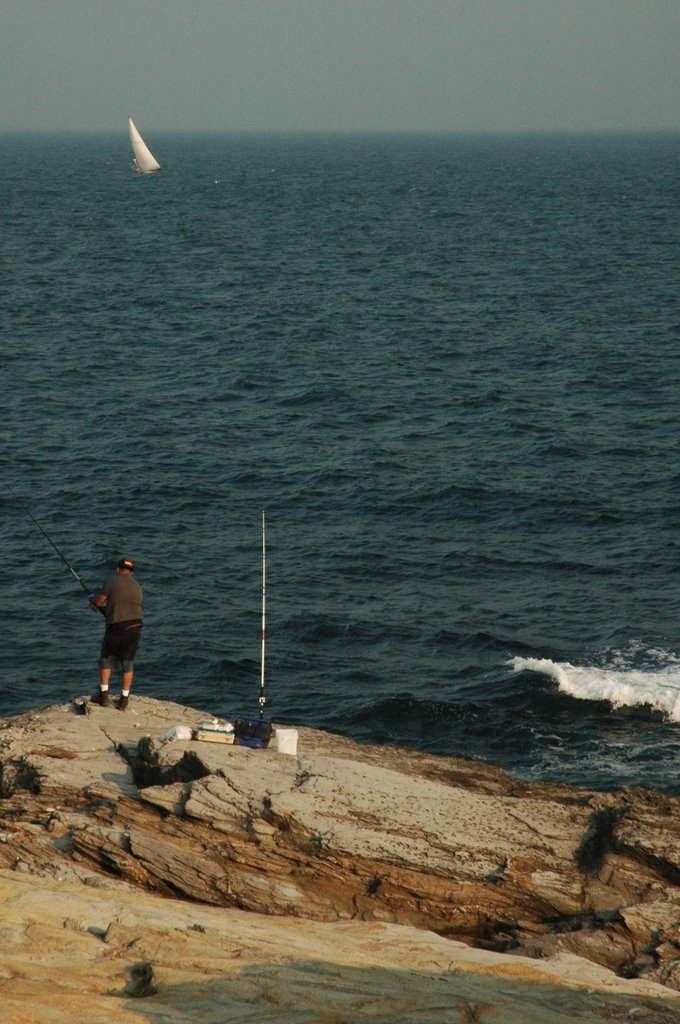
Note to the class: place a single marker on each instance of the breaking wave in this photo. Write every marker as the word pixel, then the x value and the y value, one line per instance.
pixel 621 686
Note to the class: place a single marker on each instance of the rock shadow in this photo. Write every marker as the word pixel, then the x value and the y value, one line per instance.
pixel 309 992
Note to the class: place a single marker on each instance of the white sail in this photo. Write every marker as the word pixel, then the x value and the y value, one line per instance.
pixel 144 161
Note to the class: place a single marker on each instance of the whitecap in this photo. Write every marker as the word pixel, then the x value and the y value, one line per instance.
pixel 658 688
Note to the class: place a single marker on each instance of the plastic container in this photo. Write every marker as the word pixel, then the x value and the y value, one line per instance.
pixel 215 731
pixel 252 732
pixel 286 741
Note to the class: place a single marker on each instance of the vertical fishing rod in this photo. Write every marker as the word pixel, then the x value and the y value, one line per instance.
pixel 50 541
pixel 264 591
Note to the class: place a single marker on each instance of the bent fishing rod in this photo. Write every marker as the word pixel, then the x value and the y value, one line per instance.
pixel 50 541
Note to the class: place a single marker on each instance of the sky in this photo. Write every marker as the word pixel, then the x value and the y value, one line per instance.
pixel 340 65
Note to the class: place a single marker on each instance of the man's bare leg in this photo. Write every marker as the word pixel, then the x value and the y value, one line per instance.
pixel 104 677
pixel 127 686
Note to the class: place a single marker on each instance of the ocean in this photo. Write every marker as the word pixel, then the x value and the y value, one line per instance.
pixel 445 368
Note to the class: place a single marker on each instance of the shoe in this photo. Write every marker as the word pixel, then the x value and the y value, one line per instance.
pixel 123 703
pixel 101 698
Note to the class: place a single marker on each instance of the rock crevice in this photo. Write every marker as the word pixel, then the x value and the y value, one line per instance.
pixel 345 832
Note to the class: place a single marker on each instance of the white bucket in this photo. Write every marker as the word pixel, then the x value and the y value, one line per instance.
pixel 286 741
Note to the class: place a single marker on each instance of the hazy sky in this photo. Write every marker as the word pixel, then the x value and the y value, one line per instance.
pixel 340 65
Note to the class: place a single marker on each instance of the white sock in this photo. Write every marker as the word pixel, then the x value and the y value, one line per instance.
pixel 104 688
pixel 125 693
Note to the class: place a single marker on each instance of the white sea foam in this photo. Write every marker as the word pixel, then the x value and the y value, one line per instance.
pixel 659 688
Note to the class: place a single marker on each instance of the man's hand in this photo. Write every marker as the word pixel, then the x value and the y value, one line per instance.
pixel 94 605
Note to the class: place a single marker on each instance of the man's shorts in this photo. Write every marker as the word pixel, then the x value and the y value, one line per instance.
pixel 120 644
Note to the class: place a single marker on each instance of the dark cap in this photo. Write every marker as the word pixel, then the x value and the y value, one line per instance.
pixel 126 563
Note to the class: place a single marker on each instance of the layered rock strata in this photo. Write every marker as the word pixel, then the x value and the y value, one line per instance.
pixel 343 832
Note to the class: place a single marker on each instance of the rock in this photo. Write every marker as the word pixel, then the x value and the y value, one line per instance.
pixel 341 833
pixel 141 981
pixel 119 955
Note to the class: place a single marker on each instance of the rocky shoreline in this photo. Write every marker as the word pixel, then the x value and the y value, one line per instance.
pixel 373 882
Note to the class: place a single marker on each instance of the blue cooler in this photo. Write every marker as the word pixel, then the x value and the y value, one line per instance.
pixel 252 732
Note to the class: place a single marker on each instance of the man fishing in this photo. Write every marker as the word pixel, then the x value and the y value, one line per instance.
pixel 121 599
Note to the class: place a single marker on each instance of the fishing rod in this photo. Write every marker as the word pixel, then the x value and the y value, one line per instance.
pixel 50 541
pixel 264 592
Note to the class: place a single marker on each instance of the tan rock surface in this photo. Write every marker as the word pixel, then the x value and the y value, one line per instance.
pixel 113 955
pixel 340 833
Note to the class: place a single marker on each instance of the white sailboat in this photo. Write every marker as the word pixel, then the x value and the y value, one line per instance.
pixel 144 162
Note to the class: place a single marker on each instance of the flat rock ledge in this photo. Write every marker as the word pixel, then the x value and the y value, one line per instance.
pixel 362 883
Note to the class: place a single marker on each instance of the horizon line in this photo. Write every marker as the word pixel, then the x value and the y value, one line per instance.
pixel 351 131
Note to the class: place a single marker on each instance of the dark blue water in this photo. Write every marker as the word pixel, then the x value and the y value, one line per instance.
pixel 446 367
